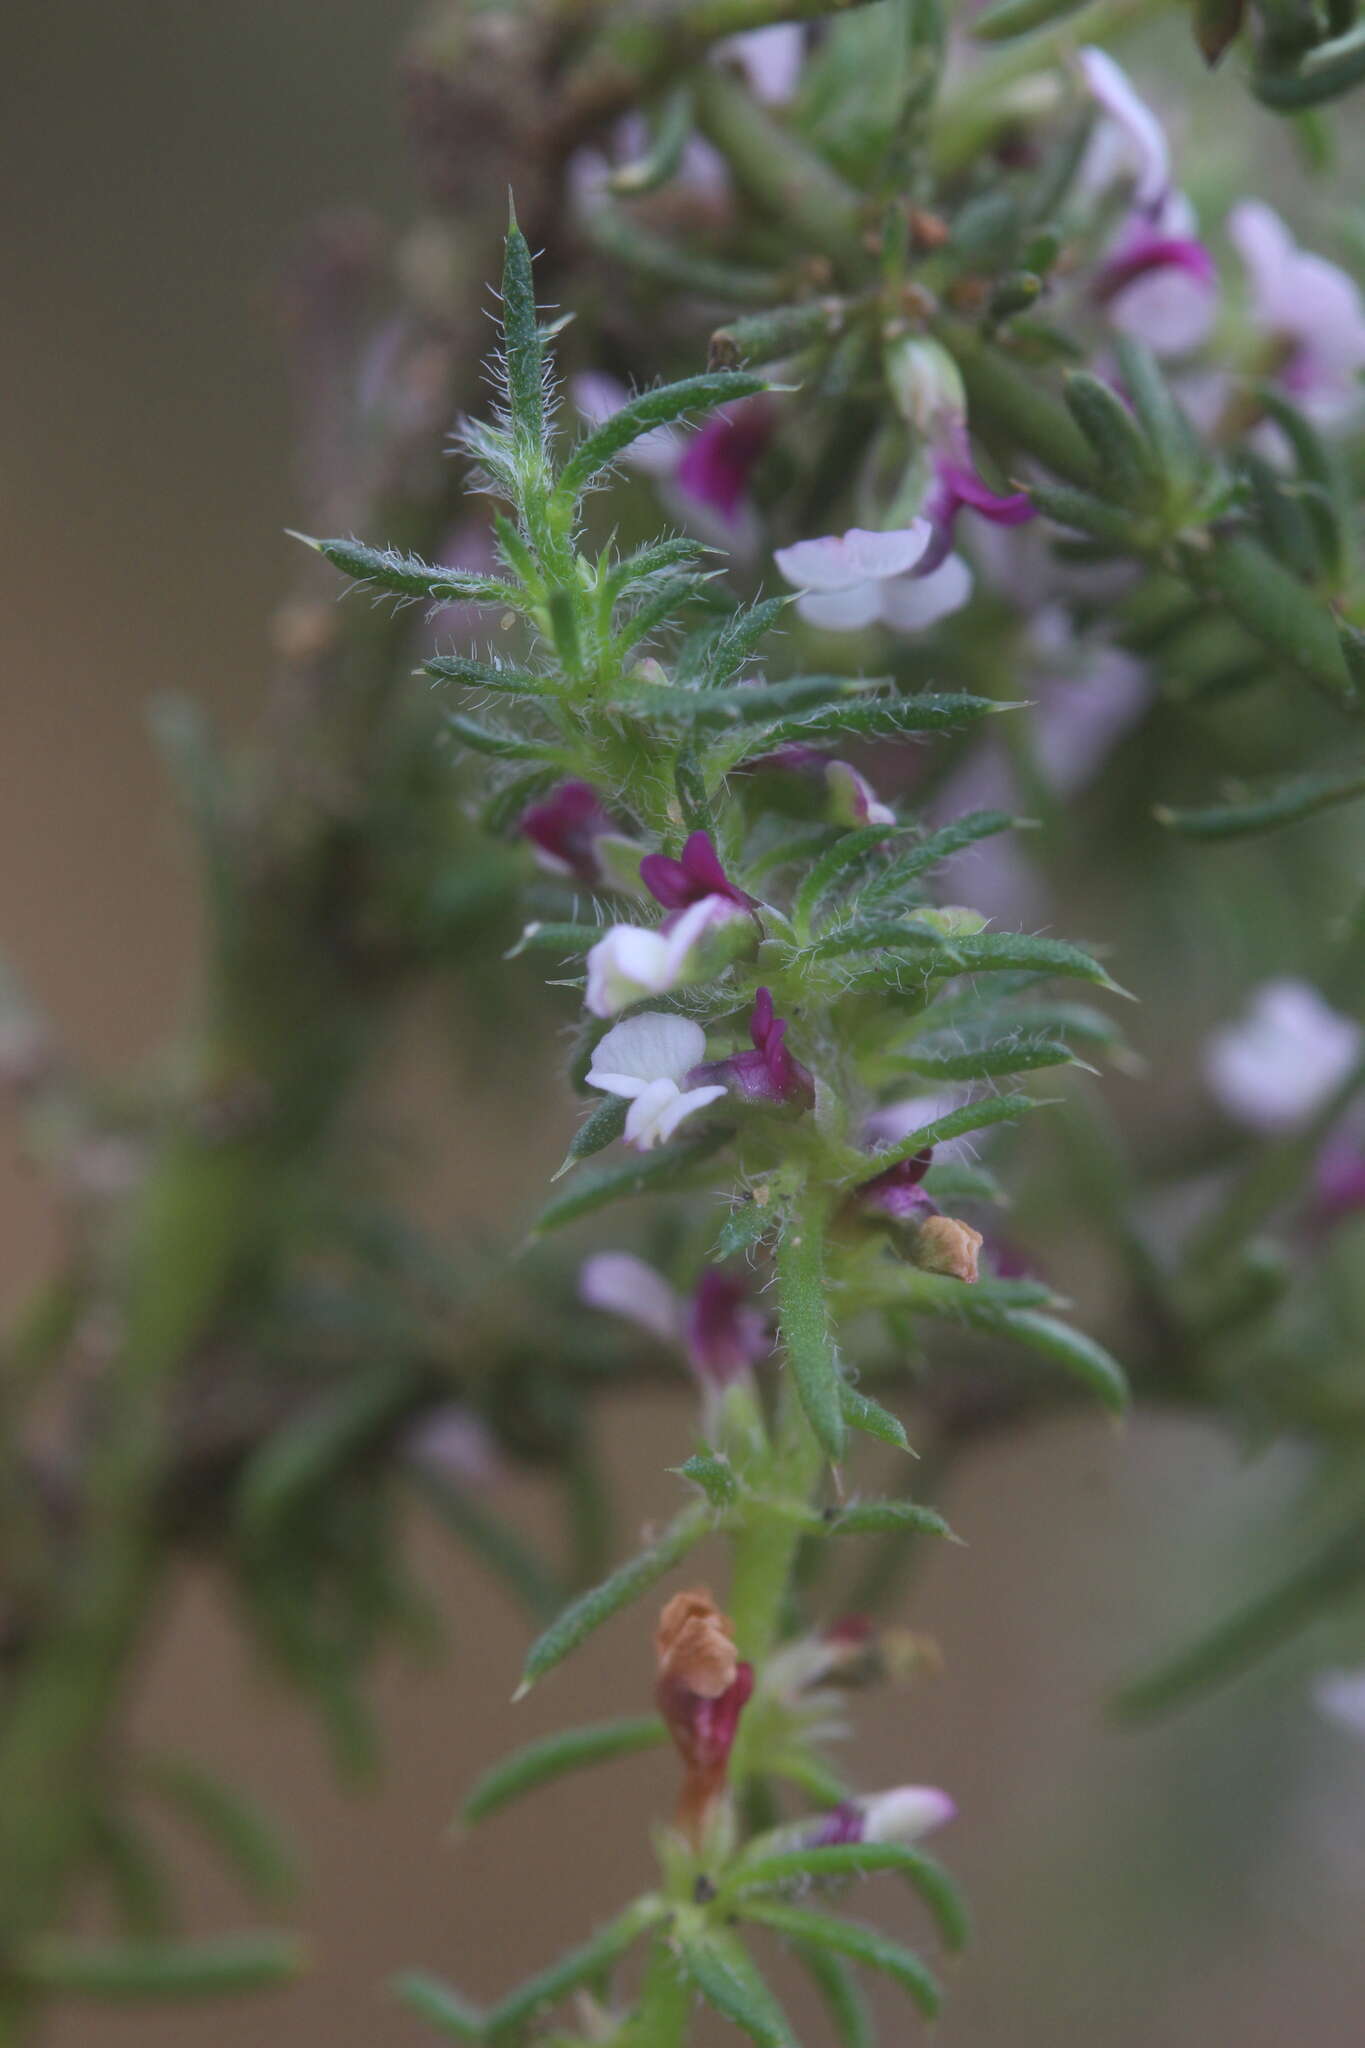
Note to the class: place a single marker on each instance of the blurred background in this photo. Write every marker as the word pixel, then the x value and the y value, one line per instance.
pixel 1150 1889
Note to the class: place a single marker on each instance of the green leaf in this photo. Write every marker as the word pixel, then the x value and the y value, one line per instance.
pixel 882 934
pixel 669 135
pixel 627 1583
pixel 850 852
pixel 650 1174
pixel 744 1226
pixel 410 576
pixel 1165 424
pixel 501 746
pixel 1302 796
pixel 662 407
pixel 135 1875
pixel 724 1973
pixel 956 1181
pixel 844 2002
pixel 862 1412
pixel 1075 1352
pixel 286 1474
pixel 745 703
pixel 948 1059
pixel 993 951
pixel 571 941
pixel 1324 1582
pixel 1128 468
pixel 865 718
pixel 865 1945
pixel 876 1517
pixel 1279 611
pixel 243 1834
pixel 803 1312
pixel 580 1966
pixel 856 1859
pixel 486 675
pixel 956 1123
pixel 715 1477
pixel 495 1542
pixel 711 656
pixel 1085 513
pixel 644 567
pixel 554 1756
pixel 523 348
pixel 1326 72
pixel 440 2003
pixel 918 860
pixel 1006 18
pixel 160 1969
pixel 600 1128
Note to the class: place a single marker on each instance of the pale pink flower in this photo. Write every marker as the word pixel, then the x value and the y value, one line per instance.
pixel 647 1060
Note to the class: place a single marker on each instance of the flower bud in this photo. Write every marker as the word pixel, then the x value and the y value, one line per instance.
pixel 700 1691
pixel 926 385
pixel 943 1245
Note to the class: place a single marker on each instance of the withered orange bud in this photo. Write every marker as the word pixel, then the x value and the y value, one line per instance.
pixel 695 1644
pixel 701 1688
pixel 943 1245
pixel 930 230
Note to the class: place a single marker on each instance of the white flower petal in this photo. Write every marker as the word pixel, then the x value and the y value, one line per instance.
pixel 818 564
pixel 644 1125
pixel 684 1104
pixel 887 554
pixel 655 1046
pixel 625 1286
pixel 1283 1059
pixel 911 603
pixel 1110 87
pixel 841 611
pixel 906 1813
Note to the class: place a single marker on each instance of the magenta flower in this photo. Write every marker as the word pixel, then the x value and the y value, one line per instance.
pixel 678 884
pixel 958 488
pixel 852 799
pixel 768 1073
pixel 564 829
pixel 719 459
pixel 717 1326
pixel 723 1332
pixel 1158 283
pixel 897 1192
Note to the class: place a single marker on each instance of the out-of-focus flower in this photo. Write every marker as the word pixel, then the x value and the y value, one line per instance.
pixel 631 961
pixel 679 884
pixel 1283 1059
pixel 1158 282
pixel 1340 1697
pixel 902 1815
pixel 454 1446
pixel 717 1325
pixel 648 1060
pixel 701 1689
pixel 1311 309
pixel 768 1073
pixel 704 473
pixel 855 579
pixel 958 488
pixel 771 59
pixel 564 829
pixel 1339 1176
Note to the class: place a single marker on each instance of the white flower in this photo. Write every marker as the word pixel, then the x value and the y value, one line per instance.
pixel 633 960
pixel 1132 126
pixel 850 580
pixel 906 1813
pixel 1307 302
pixel 646 1059
pixel 1283 1059
pixel 623 1285
pixel 1340 1697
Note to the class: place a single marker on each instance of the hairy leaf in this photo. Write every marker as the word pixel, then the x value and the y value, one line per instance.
pixel 554 1756
pixel 803 1309
pixel 599 1603
pixel 865 1945
pixel 662 407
